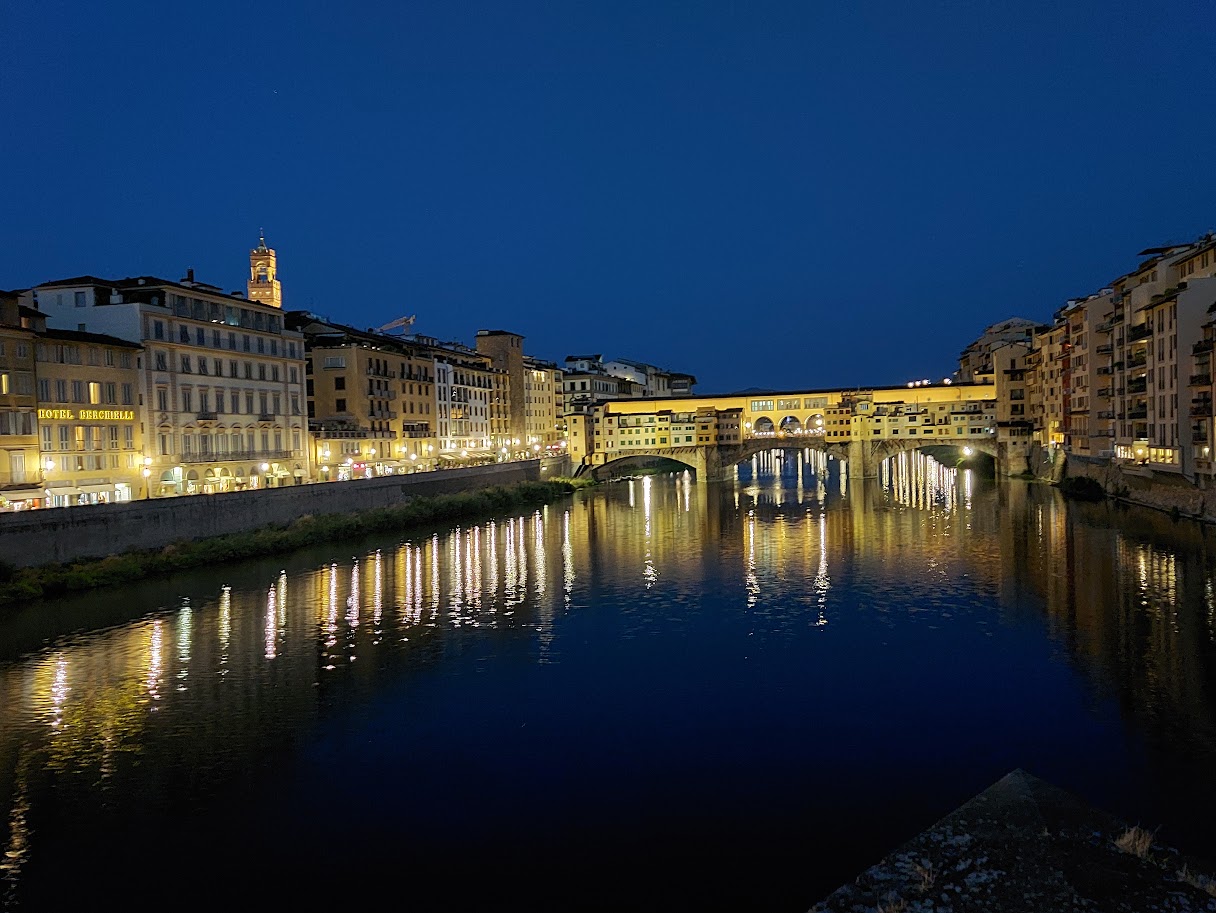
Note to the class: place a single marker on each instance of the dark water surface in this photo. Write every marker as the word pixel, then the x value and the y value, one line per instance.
pixel 660 694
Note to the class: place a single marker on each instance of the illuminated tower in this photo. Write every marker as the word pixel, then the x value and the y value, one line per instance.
pixel 264 284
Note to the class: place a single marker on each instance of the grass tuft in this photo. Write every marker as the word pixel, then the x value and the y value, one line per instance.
pixel 1135 841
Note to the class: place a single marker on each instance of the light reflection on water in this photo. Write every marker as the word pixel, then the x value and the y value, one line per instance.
pixel 930 556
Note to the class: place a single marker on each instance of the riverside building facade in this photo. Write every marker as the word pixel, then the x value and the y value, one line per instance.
pixel 221 388
pixel 90 429
pixel 20 467
pixel 371 400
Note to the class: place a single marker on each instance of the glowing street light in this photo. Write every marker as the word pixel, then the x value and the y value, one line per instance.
pixel 967 451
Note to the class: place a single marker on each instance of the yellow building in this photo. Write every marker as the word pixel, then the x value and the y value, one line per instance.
pixel 371 400
pixel 91 436
pixel 20 470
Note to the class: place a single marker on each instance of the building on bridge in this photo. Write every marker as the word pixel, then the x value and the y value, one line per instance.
pixel 862 426
pixel 589 380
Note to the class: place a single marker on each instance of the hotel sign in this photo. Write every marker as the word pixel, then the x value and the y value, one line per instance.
pixel 86 415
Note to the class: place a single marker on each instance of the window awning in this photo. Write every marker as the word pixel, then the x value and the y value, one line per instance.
pixel 22 494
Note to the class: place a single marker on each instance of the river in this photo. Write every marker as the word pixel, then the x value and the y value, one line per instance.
pixel 657 694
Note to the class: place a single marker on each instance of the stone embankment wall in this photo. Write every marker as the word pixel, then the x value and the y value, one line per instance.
pixel 1163 491
pixel 36 537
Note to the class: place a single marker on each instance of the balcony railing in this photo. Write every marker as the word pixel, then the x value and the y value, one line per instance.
pixel 1134 414
pixel 1199 435
pixel 1136 362
pixel 1142 331
pixel 1200 380
pixel 1106 370
pixel 1201 407
pixel 266 417
pixel 206 417
pixel 1116 317
pixel 1106 413
pixel 1137 385
pixel 242 455
pixel 1104 392
pixel 1204 345
pixel 1105 327
pixel 1105 349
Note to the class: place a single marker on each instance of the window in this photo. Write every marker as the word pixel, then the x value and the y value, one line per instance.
pixel 65 437
pixel 185 364
pixel 78 391
pixel 128 437
pixel 202 365
pixel 261 344
pixel 334 361
pixel 274 372
pixel 219 400
pixel 339 383
pixel 44 389
pixel 79 299
pixel 232 341
pixel 94 356
pixel 235 401
pixel 293 375
pixel 340 405
pixel 124 360
pixel 162 362
pixel 249 403
pixel 248 370
pixel 295 404
pixel 164 444
pixel 111 394
pixel 113 437
pixel 187 401
pixel 233 369
pixel 261 371
pixel 128 395
pixel 245 342
pixel 262 403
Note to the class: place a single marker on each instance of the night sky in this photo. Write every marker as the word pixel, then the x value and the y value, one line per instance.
pixel 764 194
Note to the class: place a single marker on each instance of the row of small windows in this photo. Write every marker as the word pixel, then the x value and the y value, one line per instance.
pixel 216 368
pixel 62 354
pixel 217 339
pixel 87 437
pixel 227 444
pixel 79 391
pixel 268 404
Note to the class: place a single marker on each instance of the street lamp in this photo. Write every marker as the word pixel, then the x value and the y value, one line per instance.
pixel 147 473
pixel 266 475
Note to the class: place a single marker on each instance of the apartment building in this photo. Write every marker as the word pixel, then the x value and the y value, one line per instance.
pixel 1012 409
pixel 20 469
pixel 222 394
pixel 473 405
pixel 371 400
pixel 506 353
pixel 90 427
pixel 543 427
pixel 975 363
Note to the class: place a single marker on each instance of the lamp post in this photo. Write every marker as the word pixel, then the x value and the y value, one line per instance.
pixel 265 475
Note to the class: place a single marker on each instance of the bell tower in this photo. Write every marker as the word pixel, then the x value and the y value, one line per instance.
pixel 264 284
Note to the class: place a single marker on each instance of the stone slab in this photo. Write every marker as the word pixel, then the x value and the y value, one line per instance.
pixel 1025 845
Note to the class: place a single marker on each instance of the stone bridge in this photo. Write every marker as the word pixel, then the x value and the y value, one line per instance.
pixel 715 462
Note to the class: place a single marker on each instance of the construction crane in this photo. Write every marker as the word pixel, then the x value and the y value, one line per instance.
pixel 401 323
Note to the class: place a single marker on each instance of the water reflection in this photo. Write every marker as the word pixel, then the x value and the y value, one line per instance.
pixel 792 547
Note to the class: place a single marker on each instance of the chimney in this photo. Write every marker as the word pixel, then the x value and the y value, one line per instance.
pixel 189 280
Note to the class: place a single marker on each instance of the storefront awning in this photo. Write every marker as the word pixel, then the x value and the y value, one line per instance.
pixel 22 494
pixel 95 486
pixel 64 491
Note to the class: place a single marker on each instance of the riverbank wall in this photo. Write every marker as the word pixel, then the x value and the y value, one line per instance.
pixel 1140 485
pixel 32 538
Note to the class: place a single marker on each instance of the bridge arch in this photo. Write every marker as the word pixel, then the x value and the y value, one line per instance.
pixel 764 425
pixel 790 425
pixel 685 457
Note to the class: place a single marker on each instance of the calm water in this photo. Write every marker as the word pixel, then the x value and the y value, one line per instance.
pixel 658 694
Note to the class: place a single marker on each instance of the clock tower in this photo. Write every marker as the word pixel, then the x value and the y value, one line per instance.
pixel 264 284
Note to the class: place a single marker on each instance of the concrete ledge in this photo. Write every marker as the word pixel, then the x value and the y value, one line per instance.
pixel 30 538
pixel 1024 845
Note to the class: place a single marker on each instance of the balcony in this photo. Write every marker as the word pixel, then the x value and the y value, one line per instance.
pixel 1142 331
pixel 241 455
pixel 387 375
pixel 1105 349
pixel 206 417
pixel 1136 361
pixel 266 417
pixel 1137 385
pixel 1137 412
pixel 1106 370
pixel 1106 413
pixel 1204 345
pixel 1104 393
pixel 1105 327
pixel 1116 317
pixel 1200 380
pixel 1199 434
pixel 1201 407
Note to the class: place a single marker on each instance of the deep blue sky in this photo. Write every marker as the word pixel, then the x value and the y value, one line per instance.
pixel 764 194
